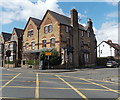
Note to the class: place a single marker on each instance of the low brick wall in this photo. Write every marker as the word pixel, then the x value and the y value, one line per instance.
pixel 10 65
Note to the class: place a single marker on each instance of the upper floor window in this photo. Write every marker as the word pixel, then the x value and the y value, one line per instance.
pixel 66 29
pixel 30 33
pixel 82 33
pixel 48 29
pixel 43 43
pixel 88 33
pixel 33 45
pixel 27 45
pixel 52 42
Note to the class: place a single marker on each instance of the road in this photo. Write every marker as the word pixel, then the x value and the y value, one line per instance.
pixel 19 84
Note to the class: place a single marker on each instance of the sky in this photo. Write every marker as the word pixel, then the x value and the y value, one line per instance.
pixel 104 14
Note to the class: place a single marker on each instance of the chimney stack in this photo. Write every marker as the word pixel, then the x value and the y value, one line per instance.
pixel 74 17
pixel 89 23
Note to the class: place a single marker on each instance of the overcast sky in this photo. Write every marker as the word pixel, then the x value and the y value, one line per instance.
pixel 15 13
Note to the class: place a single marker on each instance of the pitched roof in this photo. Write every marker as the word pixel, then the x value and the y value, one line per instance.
pixel 19 32
pixel 61 18
pixel 64 19
pixel 114 45
pixel 36 21
pixel 6 36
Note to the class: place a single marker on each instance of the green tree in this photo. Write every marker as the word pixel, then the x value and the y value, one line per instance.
pixel 54 59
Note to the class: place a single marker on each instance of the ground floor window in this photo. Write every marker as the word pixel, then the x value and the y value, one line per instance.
pixel 86 57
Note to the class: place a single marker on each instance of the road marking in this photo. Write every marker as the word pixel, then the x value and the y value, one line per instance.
pixel 97 80
pixel 83 96
pixel 10 81
pixel 88 89
pixel 90 83
pixel 116 91
pixel 37 86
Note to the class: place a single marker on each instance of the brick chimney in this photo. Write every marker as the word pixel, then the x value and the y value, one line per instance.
pixel 109 41
pixel 75 38
pixel 74 17
pixel 89 23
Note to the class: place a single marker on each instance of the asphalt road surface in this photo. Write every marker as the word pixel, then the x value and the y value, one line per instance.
pixel 18 84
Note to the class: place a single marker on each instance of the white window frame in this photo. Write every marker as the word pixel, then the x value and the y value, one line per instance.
pixel 66 29
pixel 51 45
pixel 27 46
pixel 33 45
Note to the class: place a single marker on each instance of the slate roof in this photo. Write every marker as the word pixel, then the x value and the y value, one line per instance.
pixel 114 45
pixel 61 18
pixel 19 32
pixel 6 36
pixel 64 19
pixel 36 21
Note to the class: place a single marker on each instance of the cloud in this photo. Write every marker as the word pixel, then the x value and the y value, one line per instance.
pixel 113 14
pixel 14 10
pixel 108 30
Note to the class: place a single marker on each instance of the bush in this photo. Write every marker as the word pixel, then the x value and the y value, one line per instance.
pixel 32 62
pixel 101 61
pixel 9 62
pixel 54 59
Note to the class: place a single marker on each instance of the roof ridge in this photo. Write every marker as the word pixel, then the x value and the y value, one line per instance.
pixel 5 33
pixel 58 13
pixel 35 18
pixel 18 28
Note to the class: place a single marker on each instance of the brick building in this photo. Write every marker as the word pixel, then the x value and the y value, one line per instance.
pixel 4 38
pixel 15 45
pixel 75 43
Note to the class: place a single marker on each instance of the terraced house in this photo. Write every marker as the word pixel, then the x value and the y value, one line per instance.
pixel 30 41
pixel 15 45
pixel 4 38
pixel 75 43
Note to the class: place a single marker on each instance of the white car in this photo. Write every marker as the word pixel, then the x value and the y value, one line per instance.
pixel 112 63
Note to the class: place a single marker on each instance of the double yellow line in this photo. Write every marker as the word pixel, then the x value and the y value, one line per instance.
pixel 37 86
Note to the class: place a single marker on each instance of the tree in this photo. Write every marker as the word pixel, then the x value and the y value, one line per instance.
pixel 54 59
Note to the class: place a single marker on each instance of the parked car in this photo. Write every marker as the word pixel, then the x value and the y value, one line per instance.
pixel 112 63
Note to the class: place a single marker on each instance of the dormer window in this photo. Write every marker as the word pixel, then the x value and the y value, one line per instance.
pixel 66 29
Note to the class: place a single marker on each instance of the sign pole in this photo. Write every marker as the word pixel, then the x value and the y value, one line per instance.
pixel 48 63
pixel 8 62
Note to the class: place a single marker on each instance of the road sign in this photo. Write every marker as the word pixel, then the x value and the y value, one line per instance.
pixel 48 53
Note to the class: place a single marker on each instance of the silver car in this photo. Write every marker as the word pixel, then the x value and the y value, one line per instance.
pixel 112 63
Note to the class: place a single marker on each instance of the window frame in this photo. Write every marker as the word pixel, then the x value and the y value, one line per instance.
pixel 32 46
pixel 44 43
pixel 66 29
pixel 27 46
pixel 30 33
pixel 52 44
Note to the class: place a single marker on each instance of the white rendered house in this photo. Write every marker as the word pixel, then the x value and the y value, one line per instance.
pixel 107 48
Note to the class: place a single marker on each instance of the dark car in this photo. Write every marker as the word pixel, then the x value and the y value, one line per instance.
pixel 112 63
